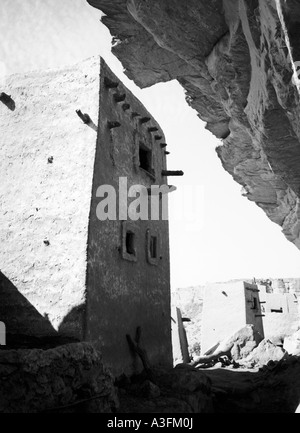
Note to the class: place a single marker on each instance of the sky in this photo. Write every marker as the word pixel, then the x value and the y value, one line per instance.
pixel 216 234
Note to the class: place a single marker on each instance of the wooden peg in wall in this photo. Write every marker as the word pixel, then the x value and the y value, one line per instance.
pixel 172 173
pixel 110 84
pixel 84 117
pixel 112 125
pixel 119 97
pixel 145 119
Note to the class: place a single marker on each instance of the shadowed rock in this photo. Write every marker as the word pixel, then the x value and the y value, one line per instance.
pixel 235 62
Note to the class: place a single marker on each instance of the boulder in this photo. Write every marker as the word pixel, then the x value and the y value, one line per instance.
pixel 241 343
pixel 244 341
pixel 292 343
pixel 238 346
pixel 265 352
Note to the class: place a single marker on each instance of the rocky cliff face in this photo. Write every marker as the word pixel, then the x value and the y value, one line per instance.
pixel 237 61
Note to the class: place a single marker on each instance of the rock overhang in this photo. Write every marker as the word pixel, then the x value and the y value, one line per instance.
pixel 235 60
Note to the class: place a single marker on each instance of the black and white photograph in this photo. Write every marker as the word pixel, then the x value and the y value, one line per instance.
pixel 150 209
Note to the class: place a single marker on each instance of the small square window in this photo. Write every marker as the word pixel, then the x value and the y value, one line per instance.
pixel 129 250
pixel 277 310
pixel 130 243
pixel 254 304
pixel 152 248
pixel 145 156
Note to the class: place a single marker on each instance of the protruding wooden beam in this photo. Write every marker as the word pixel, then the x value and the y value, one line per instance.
pixel 119 97
pixel 167 153
pixel 112 125
pixel 158 137
pixel 172 173
pixel 163 145
pixel 5 98
pixel 84 117
pixel 145 120
pixel 110 84
pixel 153 129
pixel 159 190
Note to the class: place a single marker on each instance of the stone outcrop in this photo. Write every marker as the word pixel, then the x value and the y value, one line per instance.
pixel 238 346
pixel 69 378
pixel 265 352
pixel 236 60
pixel 292 343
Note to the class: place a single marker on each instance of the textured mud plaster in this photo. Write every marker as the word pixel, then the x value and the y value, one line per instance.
pixel 56 380
pixel 233 307
pixel 280 313
pixel 62 270
pixel 45 205
pixel 233 59
pixel 124 294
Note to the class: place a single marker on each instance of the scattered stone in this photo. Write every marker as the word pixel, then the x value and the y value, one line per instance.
pixel 264 353
pixel 292 343
pixel 243 342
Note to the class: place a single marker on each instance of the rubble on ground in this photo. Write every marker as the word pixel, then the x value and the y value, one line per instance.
pixel 292 343
pixel 230 350
pixel 265 352
pixel 246 349
pixel 180 390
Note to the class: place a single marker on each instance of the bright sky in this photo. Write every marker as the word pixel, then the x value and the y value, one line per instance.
pixel 215 233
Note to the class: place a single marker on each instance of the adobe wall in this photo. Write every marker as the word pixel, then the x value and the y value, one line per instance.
pixel 278 323
pixel 224 312
pixel 64 379
pixel 47 159
pixel 254 315
pixel 124 294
